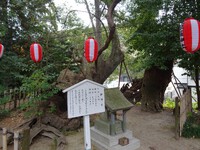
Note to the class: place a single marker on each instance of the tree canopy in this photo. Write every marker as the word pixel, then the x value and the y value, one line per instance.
pixel 146 31
pixel 152 33
pixel 25 22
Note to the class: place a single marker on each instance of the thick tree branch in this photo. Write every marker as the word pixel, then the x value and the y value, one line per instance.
pixel 88 9
pixel 111 25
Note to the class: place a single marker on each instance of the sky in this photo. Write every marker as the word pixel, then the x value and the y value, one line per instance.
pixel 72 5
pixel 81 9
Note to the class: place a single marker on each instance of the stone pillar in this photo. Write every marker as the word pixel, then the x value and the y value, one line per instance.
pixel 112 126
pixel 124 121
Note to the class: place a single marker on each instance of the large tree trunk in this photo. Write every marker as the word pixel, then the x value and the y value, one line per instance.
pixel 154 84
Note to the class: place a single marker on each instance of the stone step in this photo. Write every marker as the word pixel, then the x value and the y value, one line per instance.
pixel 105 142
pixel 109 140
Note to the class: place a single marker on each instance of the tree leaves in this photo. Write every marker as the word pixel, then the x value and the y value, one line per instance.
pixel 22 23
pixel 156 31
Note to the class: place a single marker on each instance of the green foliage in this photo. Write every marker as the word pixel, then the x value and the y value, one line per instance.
pixel 27 21
pixel 62 50
pixel 12 70
pixel 69 19
pixel 39 90
pixel 22 23
pixel 2 88
pixel 4 113
pixel 191 128
pixel 153 37
pixel 169 103
pixel 152 30
pixel 4 100
pixel 52 108
pixel 194 105
pixel 36 81
pixel 153 33
pixel 135 66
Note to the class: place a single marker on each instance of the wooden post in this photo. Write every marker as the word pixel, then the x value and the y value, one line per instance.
pixel 11 98
pixel 177 115
pixel 190 100
pixel 4 137
pixel 23 94
pixel 87 136
pixel 4 103
pixel 16 140
pixel 25 141
pixel 20 97
pixel 15 98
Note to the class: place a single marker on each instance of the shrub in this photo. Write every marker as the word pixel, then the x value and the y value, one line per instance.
pixel 169 103
pixel 38 81
pixel 191 128
pixel 4 113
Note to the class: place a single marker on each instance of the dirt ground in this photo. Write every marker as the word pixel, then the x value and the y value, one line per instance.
pixel 154 130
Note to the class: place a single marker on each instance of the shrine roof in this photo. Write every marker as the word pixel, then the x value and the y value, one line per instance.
pixel 82 83
pixel 115 100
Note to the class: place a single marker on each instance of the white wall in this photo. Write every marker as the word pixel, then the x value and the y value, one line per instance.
pixel 178 72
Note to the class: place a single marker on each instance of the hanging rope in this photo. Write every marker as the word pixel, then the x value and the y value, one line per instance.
pixel 127 72
pixel 120 72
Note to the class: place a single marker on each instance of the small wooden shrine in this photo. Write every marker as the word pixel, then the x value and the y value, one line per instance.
pixel 113 120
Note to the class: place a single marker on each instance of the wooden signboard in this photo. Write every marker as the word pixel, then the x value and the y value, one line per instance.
pixel 83 99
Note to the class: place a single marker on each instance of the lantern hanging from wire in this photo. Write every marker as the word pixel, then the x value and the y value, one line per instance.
pixel 91 49
pixel 36 52
pixel 1 50
pixel 190 35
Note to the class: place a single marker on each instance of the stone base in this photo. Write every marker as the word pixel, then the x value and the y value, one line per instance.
pixel 103 141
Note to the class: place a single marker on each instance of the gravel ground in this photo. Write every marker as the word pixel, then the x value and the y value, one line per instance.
pixel 154 130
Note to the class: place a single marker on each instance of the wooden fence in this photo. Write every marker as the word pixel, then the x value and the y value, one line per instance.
pixel 9 100
pixel 13 98
pixel 182 108
pixel 20 139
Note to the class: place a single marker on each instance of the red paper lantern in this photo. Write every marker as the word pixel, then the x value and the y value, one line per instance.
pixel 1 50
pixel 91 49
pixel 36 52
pixel 190 35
